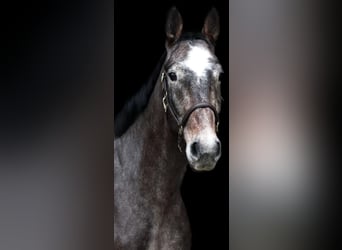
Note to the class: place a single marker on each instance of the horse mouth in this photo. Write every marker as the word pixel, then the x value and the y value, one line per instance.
pixel 202 166
pixel 201 170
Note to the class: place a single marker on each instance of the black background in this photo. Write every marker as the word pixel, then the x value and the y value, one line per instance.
pixel 51 54
pixel 139 40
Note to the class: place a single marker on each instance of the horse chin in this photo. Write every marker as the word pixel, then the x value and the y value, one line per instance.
pixel 202 167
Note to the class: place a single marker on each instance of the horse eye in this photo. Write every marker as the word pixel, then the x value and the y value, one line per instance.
pixel 173 76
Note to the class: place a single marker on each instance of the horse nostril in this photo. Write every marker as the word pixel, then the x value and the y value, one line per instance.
pixel 218 148
pixel 195 149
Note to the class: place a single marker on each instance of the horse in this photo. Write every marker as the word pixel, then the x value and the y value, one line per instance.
pixel 170 123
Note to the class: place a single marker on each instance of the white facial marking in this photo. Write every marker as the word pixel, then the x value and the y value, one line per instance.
pixel 198 60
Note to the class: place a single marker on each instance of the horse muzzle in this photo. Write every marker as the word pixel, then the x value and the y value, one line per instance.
pixel 203 153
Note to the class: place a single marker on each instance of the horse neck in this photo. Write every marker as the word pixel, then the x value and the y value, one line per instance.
pixel 162 165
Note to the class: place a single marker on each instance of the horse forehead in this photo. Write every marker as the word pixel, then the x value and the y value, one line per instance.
pixel 199 60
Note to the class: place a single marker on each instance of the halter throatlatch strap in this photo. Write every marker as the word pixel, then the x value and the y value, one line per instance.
pixel 181 122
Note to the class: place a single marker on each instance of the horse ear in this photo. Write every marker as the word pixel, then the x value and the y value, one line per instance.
pixel 211 27
pixel 174 26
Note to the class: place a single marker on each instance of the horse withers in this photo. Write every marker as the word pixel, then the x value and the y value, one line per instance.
pixel 171 123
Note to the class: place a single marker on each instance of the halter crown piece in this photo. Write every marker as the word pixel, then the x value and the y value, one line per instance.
pixel 181 121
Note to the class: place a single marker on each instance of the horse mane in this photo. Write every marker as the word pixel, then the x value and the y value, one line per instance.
pixel 133 107
pixel 137 104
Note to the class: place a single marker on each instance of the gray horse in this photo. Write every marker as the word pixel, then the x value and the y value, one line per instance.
pixel 170 123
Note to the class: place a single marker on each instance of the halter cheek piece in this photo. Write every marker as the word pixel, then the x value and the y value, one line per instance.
pixel 181 122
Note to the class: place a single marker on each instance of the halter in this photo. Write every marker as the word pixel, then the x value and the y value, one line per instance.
pixel 181 122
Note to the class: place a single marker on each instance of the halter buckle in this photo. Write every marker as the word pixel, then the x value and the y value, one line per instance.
pixel 165 95
pixel 164 102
